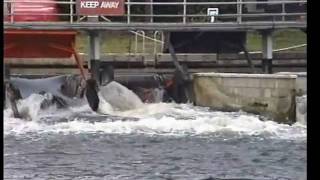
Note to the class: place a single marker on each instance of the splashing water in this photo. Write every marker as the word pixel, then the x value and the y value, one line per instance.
pixel 120 97
pixel 148 141
pixel 160 118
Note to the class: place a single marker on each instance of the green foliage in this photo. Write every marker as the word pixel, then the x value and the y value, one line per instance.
pixel 282 39
pixel 120 42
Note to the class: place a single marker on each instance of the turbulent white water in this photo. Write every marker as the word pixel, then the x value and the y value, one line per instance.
pixel 120 97
pixel 146 141
pixel 160 118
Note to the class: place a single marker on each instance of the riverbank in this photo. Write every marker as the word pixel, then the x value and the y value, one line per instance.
pixel 115 42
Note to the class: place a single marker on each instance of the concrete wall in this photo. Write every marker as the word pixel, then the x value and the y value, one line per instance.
pixel 301 99
pixel 301 109
pixel 301 81
pixel 268 95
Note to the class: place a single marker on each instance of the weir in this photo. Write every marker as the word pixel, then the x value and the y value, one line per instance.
pixel 272 96
pixel 186 26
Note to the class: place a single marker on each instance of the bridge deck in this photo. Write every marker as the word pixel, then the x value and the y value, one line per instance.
pixel 181 15
pixel 157 26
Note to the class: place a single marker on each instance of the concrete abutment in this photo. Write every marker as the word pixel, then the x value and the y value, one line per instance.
pixel 270 95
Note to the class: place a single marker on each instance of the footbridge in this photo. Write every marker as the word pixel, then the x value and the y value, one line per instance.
pixel 181 15
pixel 162 18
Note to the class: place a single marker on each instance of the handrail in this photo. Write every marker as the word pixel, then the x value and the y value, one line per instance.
pixel 156 33
pixel 187 14
pixel 143 41
pixel 147 37
pixel 174 3
pixel 278 50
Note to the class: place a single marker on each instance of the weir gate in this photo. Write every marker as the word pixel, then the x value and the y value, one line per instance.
pixel 195 33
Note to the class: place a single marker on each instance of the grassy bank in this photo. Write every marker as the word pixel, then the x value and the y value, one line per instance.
pixel 282 39
pixel 114 42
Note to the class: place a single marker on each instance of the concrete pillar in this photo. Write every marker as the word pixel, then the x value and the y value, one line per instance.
pixel 95 58
pixel 267 51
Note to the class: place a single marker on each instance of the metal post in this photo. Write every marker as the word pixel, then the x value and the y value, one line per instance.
pixel 95 55
pixel 143 41
pixel 5 9
pixel 151 11
pixel 154 42
pixel 184 11
pixel 239 11
pixel 162 39
pixel 283 12
pixel 267 51
pixel 136 44
pixel 71 11
pixel 11 11
pixel 143 35
pixel 128 11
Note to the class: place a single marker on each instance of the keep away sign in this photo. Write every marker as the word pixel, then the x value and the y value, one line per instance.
pixel 101 7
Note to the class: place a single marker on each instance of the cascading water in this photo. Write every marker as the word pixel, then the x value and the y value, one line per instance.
pixel 135 140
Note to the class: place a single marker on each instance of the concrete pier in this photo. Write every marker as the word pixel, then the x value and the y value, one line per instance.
pixel 95 57
pixel 267 51
pixel 269 95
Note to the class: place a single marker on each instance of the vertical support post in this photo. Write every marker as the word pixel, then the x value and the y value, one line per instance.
pixel 136 43
pixel 151 11
pixel 283 12
pixel 71 11
pixel 95 54
pixel 163 43
pixel 267 51
pixel 239 11
pixel 5 9
pixel 143 41
pixel 11 11
pixel 155 35
pixel 184 11
pixel 128 11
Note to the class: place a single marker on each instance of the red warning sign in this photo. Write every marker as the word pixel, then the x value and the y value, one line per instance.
pixel 101 7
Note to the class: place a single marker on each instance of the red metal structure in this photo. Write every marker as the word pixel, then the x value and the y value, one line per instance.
pixel 32 10
pixel 38 43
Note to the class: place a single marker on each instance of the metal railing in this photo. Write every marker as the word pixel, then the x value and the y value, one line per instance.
pixel 182 12
pixel 144 37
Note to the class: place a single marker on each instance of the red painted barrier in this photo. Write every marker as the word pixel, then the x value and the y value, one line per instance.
pixel 32 10
pixel 38 43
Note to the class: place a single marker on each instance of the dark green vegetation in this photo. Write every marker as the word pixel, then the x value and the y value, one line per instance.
pixel 282 39
pixel 115 42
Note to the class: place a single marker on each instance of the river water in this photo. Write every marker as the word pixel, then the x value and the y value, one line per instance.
pixel 155 141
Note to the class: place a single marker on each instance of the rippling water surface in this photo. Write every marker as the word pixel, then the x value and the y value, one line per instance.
pixel 156 141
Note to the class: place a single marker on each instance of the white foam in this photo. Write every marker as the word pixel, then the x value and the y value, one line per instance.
pixel 119 97
pixel 160 119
